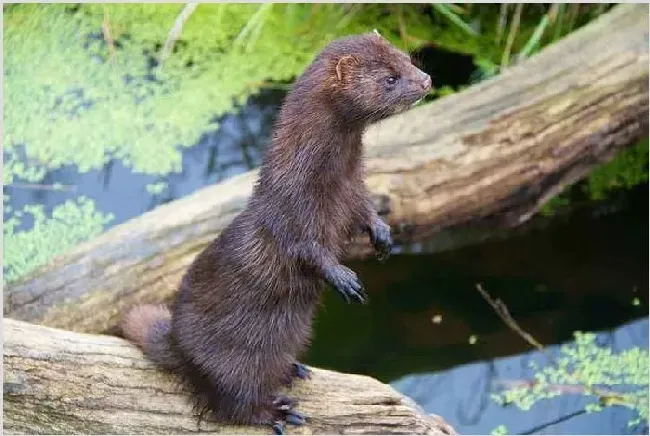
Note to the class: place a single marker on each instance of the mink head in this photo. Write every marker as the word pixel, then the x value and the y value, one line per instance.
pixel 369 79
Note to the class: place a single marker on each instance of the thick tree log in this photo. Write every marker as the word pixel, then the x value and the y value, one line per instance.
pixel 491 154
pixel 60 382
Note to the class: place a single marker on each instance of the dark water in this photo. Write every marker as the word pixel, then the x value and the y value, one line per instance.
pixel 584 273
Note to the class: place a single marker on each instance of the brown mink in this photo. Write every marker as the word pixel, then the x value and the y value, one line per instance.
pixel 244 309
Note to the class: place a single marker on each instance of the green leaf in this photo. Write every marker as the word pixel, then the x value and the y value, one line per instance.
pixel 446 11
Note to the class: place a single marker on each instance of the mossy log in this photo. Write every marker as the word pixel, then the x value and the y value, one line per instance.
pixel 488 156
pixel 60 382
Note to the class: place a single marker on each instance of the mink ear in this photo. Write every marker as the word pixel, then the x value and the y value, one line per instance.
pixel 345 65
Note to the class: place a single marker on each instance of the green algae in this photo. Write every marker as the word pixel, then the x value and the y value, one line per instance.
pixel 72 99
pixel 591 370
pixel 69 224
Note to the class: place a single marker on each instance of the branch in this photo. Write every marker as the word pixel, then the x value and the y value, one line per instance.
pixel 604 395
pixel 537 429
pixel 56 381
pixel 42 187
pixel 502 311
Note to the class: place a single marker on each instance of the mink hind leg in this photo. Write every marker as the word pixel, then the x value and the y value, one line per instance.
pixel 274 409
pixel 278 412
pixel 249 398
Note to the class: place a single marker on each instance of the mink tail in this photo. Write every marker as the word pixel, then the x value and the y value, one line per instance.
pixel 148 326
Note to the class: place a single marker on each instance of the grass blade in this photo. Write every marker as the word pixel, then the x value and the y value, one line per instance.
pixel 533 41
pixel 514 28
pixel 454 18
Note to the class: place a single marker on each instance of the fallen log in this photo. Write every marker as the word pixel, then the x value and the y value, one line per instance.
pixel 60 382
pixel 491 155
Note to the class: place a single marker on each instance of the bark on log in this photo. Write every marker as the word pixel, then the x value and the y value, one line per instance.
pixel 60 382
pixel 492 154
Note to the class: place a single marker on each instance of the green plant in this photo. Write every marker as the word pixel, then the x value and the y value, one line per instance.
pixel 500 430
pixel 627 169
pixel 499 36
pixel 69 224
pixel 585 368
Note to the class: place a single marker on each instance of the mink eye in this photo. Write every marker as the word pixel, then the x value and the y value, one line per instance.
pixel 391 80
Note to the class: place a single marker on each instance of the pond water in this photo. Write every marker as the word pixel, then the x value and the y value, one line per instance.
pixel 427 330
pixel 462 395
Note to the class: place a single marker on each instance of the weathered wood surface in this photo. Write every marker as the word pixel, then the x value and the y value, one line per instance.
pixel 60 382
pixel 489 155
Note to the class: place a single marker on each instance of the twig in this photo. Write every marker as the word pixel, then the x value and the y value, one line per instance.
pixel 602 394
pixel 537 429
pixel 43 187
pixel 107 36
pixel 175 31
pixel 501 310
pixel 503 313
pixel 514 27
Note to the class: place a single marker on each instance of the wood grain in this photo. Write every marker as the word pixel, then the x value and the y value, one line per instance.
pixel 60 382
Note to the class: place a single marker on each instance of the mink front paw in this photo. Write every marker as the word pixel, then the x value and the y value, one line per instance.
pixel 381 240
pixel 346 282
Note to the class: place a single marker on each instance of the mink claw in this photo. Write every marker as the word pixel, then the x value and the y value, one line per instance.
pixel 346 282
pixel 278 427
pixel 350 294
pixel 295 418
pixel 285 414
pixel 381 240
pixel 292 417
pixel 283 403
pixel 382 256
pixel 301 371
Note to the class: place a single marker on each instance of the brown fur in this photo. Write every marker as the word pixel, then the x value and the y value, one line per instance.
pixel 141 319
pixel 245 307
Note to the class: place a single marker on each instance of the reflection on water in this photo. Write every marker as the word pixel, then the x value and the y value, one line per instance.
pixel 462 395
pixel 585 274
pixel 236 147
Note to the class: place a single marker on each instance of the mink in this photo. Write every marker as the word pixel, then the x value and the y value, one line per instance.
pixel 243 314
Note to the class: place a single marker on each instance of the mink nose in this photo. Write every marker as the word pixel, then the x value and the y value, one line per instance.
pixel 426 82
